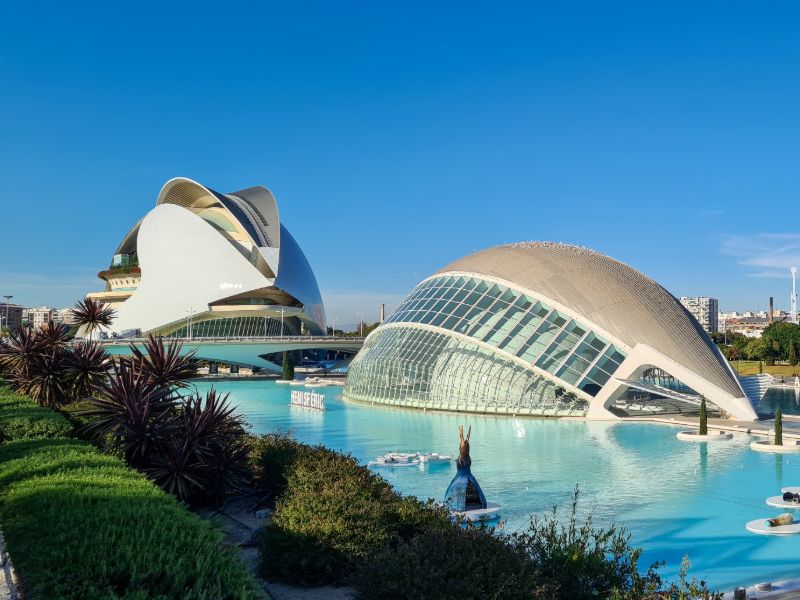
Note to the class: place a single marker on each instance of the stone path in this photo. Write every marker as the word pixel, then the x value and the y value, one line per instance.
pixel 8 579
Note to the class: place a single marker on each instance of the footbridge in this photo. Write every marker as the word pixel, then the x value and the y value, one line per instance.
pixel 244 351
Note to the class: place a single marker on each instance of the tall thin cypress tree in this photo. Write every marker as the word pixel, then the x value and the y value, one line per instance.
pixel 288 366
pixel 778 428
pixel 703 417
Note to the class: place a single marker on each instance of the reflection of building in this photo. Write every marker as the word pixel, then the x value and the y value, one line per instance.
pixel 541 328
pixel 705 310
pixel 212 265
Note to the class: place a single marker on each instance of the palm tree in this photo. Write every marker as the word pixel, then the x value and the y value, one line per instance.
pixel 92 315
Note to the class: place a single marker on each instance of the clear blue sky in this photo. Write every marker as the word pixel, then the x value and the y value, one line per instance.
pixel 398 136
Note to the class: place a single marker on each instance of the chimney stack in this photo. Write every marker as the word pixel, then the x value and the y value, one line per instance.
pixel 771 311
pixel 383 312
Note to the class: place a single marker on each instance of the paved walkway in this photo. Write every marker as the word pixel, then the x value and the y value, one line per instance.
pixel 8 579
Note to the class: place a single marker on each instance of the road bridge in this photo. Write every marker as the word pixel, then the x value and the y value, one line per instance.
pixel 244 351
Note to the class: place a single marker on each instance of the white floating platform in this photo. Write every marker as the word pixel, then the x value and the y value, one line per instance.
pixel 760 526
pixel 790 447
pixel 779 502
pixel 792 489
pixel 694 436
pixel 381 463
pixel 282 381
pixel 492 511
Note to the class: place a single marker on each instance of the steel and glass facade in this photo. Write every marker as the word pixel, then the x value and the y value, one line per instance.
pixel 467 342
pixel 544 329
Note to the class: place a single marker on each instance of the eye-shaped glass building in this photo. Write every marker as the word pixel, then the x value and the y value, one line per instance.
pixel 212 265
pixel 544 329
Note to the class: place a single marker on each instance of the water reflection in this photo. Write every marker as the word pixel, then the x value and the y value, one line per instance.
pixel 675 498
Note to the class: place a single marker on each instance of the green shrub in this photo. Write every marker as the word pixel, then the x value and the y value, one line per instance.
pixel 79 524
pixel 333 515
pixel 22 418
pixel 270 456
pixel 455 564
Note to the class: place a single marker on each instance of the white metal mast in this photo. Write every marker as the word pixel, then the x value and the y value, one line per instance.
pixel 794 295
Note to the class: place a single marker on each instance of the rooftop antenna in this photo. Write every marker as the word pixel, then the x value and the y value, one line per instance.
pixel 794 295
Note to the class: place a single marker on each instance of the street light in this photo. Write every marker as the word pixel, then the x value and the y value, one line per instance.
pixel 360 316
pixel 333 329
pixel 7 299
pixel 282 311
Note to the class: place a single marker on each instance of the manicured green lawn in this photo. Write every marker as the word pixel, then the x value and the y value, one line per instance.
pixel 81 524
pixel 750 367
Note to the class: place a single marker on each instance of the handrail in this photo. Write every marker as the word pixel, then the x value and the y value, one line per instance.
pixel 271 338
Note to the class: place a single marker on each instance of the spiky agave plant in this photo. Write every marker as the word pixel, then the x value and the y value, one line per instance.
pixel 17 354
pixel 92 315
pixel 207 456
pixel 48 381
pixel 133 414
pixel 88 366
pixel 165 365
pixel 53 336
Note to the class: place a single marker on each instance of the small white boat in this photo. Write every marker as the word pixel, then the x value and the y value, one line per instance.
pixel 434 458
pixel 491 512
pixel 396 459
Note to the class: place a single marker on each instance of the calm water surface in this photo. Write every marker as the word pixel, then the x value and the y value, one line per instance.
pixel 675 497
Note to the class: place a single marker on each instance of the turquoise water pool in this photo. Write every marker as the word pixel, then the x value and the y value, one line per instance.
pixel 675 497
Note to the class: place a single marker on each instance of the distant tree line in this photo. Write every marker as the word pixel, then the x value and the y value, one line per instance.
pixel 780 342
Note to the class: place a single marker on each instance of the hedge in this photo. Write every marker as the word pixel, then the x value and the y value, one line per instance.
pixel 81 524
pixel 333 514
pixel 22 418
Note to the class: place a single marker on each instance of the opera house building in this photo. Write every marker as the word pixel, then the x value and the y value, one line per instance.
pixel 221 265
pixel 544 329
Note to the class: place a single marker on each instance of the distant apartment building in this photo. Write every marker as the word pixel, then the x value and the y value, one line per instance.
pixel 36 317
pixel 64 315
pixel 11 316
pixel 705 310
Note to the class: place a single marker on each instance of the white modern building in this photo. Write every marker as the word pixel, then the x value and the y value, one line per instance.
pixel 705 310
pixel 210 265
pixel 545 329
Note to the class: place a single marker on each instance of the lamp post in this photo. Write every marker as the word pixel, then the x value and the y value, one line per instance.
pixel 360 316
pixel 282 311
pixel 7 300
pixel 333 329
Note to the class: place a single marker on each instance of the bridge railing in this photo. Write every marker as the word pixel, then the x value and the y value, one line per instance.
pixel 255 338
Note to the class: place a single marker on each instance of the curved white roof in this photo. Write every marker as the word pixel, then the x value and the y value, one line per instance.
pixel 616 297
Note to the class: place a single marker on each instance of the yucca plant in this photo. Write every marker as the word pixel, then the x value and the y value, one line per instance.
pixel 53 336
pixel 92 315
pixel 87 365
pixel 48 381
pixel 207 455
pixel 17 354
pixel 165 365
pixel 135 415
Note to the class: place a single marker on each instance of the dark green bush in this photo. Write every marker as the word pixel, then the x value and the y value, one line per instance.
pixel 270 456
pixel 451 564
pixel 22 418
pixel 79 524
pixel 334 514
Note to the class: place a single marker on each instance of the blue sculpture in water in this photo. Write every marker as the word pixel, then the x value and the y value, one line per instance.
pixel 464 493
